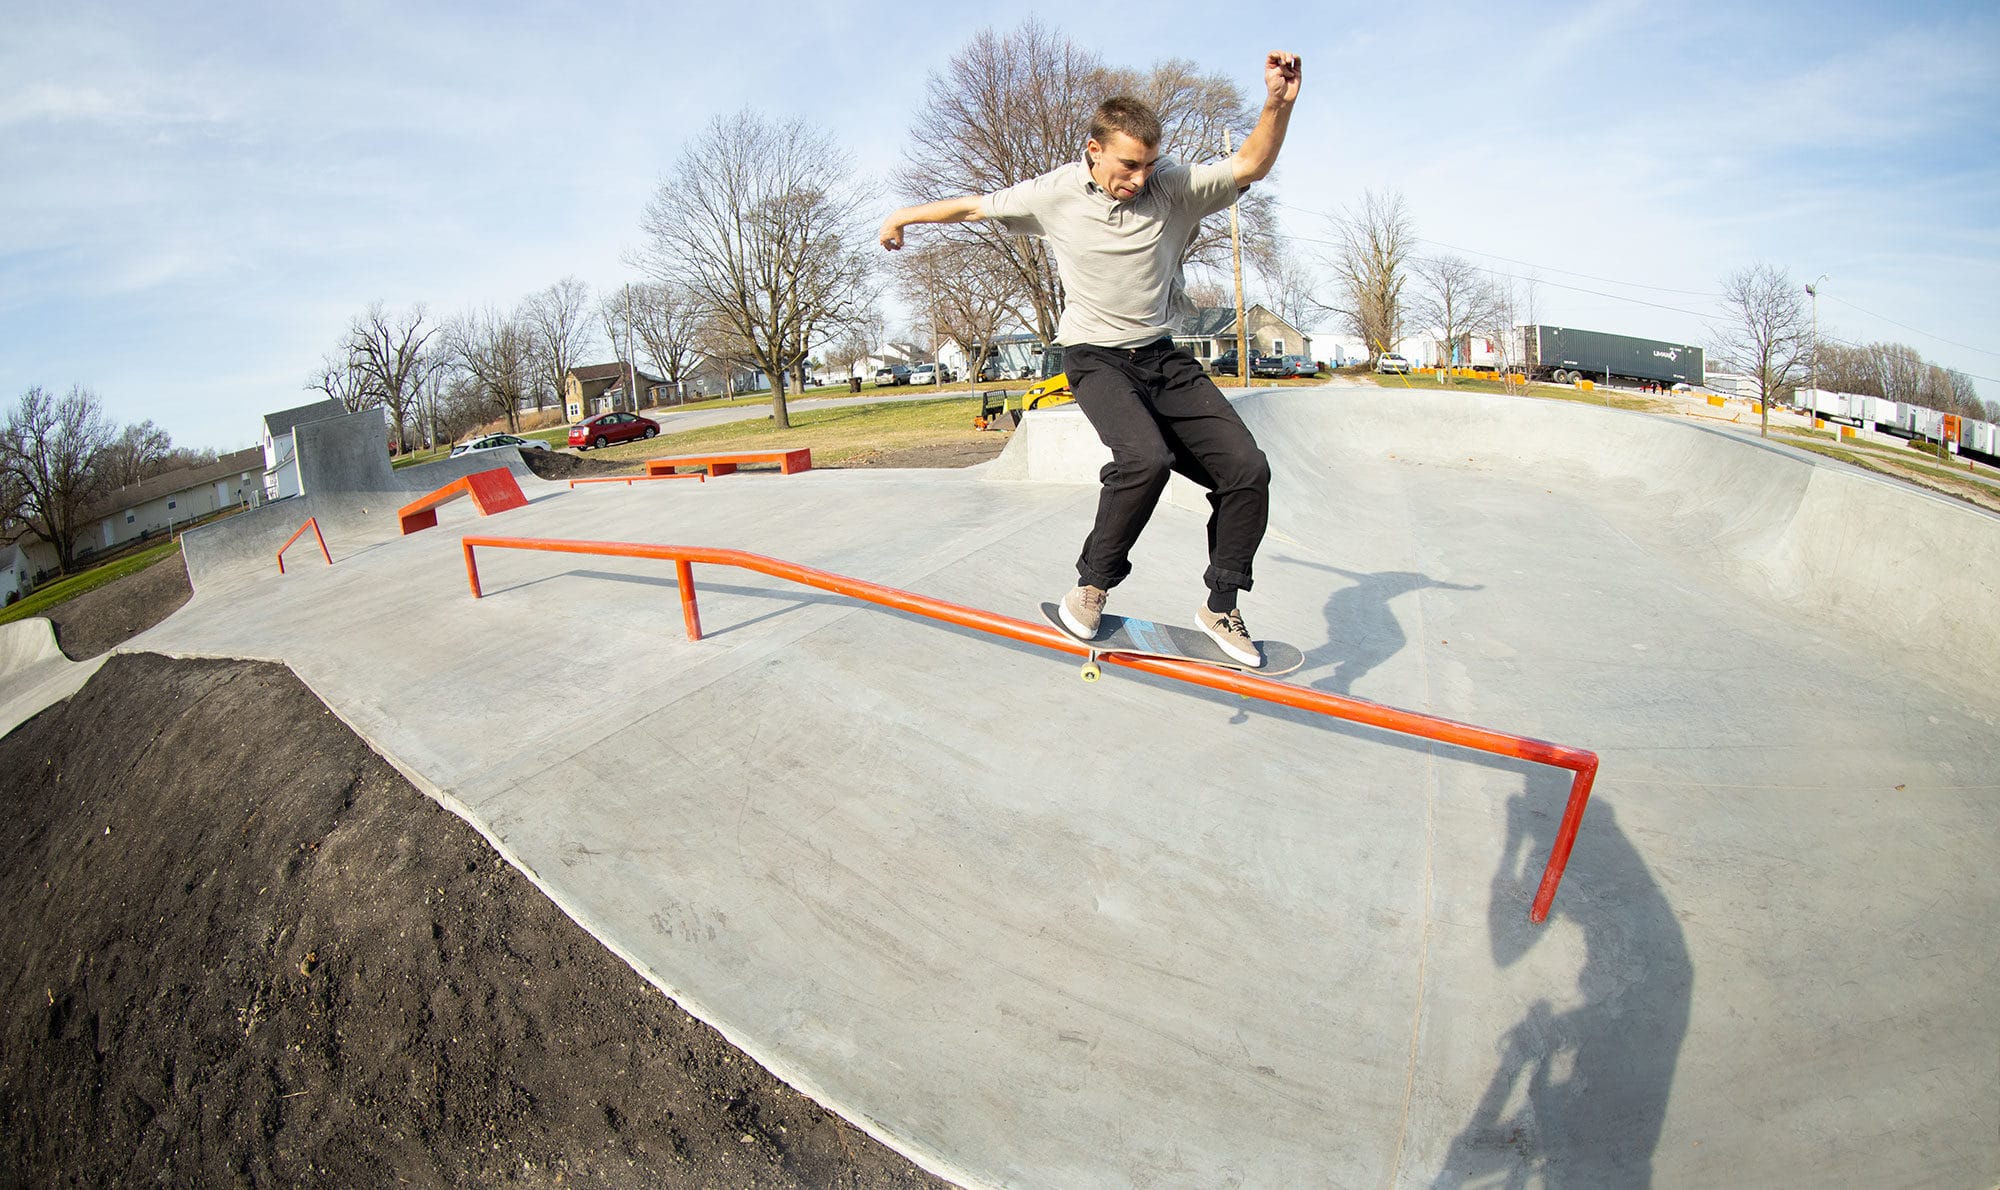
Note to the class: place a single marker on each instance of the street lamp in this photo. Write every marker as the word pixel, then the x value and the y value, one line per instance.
pixel 1813 289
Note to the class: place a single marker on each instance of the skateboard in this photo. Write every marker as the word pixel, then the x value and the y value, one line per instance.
pixel 1171 642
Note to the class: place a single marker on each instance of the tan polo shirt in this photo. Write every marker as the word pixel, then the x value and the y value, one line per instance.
pixel 1120 262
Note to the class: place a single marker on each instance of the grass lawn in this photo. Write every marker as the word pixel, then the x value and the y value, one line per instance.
pixel 77 584
pixel 419 456
pixel 835 435
pixel 1968 486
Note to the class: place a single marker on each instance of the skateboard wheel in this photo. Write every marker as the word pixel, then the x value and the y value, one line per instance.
pixel 1091 672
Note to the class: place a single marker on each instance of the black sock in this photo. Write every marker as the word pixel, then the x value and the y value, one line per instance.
pixel 1222 599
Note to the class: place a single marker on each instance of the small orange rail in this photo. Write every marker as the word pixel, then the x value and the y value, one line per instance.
pixel 1464 735
pixel 789 461
pixel 312 522
pixel 629 480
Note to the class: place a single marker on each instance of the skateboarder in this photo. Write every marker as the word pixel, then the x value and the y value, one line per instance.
pixel 1117 222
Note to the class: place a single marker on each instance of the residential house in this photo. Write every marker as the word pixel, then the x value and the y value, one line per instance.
pixel 16 572
pixel 880 357
pixel 281 456
pixel 602 388
pixel 1211 331
pixel 162 504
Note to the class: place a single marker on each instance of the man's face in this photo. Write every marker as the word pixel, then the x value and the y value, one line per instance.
pixel 1121 165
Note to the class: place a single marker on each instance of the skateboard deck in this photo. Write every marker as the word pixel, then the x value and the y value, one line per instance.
pixel 1171 642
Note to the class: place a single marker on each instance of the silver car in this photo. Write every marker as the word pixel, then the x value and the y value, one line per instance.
pixel 495 442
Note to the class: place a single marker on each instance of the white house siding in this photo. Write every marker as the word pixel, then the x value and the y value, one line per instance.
pixel 281 467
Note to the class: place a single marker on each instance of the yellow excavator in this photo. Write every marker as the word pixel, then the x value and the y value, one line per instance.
pixel 1051 390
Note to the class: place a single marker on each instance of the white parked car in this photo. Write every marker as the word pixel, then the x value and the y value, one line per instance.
pixel 1389 361
pixel 930 374
pixel 495 442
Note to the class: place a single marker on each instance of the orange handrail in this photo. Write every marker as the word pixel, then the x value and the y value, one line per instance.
pixel 313 524
pixel 1355 710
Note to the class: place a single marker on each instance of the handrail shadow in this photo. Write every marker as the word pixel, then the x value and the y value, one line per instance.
pixel 1580 1094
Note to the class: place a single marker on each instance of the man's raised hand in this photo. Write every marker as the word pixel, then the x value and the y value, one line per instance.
pixel 1281 76
pixel 891 235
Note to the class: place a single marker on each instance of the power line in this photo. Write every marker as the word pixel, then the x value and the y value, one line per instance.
pixel 1619 297
pixel 1541 281
pixel 1638 285
pixel 1528 264
pixel 1913 330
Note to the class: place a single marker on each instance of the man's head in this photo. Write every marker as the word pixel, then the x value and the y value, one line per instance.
pixel 1124 146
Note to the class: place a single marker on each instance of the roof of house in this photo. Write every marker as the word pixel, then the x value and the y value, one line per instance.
pixel 1208 321
pixel 611 371
pixel 645 381
pixel 281 423
pixel 181 480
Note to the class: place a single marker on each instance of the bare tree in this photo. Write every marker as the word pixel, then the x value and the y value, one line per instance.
pixel 724 353
pixel 1501 319
pixel 1455 298
pixel 1292 288
pixel 759 222
pixel 1897 372
pixel 387 360
pixel 494 354
pixel 1767 329
pixel 53 451
pixel 1370 265
pixel 138 453
pixel 665 322
pixel 1009 107
pixel 962 293
pixel 339 379
pixel 557 320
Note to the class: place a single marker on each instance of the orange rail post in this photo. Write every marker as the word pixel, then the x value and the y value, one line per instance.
pixel 1354 710
pixel 313 524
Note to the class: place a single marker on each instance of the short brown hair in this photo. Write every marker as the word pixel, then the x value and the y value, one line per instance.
pixel 1122 113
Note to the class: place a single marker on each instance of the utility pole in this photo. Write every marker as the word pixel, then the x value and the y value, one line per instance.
pixel 631 361
pixel 1813 289
pixel 1236 252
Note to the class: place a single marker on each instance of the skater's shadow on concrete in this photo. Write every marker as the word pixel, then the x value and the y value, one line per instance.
pixel 1362 631
pixel 1580 1094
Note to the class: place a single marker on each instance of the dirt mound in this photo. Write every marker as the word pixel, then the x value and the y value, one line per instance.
pixel 116 612
pixel 241 948
pixel 561 465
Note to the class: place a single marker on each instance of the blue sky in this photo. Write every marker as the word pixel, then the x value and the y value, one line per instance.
pixel 195 198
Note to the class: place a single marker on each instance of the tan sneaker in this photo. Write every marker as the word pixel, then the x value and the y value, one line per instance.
pixel 1226 629
pixel 1082 609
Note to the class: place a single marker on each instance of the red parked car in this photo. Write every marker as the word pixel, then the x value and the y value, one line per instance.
pixel 607 428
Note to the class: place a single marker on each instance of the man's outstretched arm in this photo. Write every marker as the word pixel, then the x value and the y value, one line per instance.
pixel 965 209
pixel 1259 151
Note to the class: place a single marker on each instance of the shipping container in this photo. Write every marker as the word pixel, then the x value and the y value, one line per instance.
pixel 1566 355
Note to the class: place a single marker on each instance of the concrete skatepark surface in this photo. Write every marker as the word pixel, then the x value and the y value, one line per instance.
pixel 34 672
pixel 1033 932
